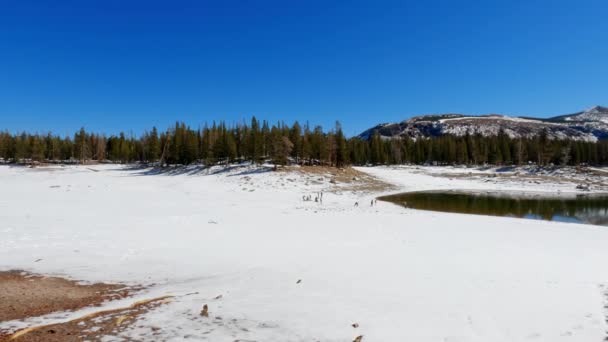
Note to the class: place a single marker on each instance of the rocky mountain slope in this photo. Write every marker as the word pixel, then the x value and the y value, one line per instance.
pixel 588 125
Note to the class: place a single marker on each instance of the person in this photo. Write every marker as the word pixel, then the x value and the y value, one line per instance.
pixel 372 203
pixel 356 204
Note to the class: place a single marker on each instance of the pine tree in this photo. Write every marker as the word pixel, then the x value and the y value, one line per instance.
pixel 255 142
pixel 376 157
pixel 81 148
pixel 341 147
pixel 280 148
pixel 295 136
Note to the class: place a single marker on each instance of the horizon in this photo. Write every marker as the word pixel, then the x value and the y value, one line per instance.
pixel 247 121
pixel 111 66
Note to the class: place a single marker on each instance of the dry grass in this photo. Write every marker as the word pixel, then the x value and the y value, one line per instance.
pixel 343 179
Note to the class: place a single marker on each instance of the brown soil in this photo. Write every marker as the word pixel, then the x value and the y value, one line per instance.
pixel 24 295
pixel 88 328
pixel 354 180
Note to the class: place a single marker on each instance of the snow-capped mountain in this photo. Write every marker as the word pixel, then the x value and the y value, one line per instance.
pixel 597 113
pixel 588 125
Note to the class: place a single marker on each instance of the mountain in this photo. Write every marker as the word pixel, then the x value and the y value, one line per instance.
pixel 588 125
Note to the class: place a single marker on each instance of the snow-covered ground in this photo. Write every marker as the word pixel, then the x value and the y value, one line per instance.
pixel 512 179
pixel 246 234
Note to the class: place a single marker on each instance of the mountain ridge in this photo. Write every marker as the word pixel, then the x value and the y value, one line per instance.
pixel 587 125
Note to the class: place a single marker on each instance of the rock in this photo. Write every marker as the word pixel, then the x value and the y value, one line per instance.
pixel 205 311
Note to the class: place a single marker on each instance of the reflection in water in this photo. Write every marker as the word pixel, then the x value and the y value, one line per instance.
pixel 579 209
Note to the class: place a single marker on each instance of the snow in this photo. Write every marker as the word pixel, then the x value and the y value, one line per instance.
pixel 597 113
pixel 585 126
pixel 495 117
pixel 244 233
pixel 514 127
pixel 510 179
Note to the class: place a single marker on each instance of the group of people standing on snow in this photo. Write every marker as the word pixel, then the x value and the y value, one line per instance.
pixel 318 197
pixel 373 203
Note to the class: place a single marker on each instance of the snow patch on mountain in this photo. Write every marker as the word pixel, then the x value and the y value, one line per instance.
pixel 589 125
pixel 597 113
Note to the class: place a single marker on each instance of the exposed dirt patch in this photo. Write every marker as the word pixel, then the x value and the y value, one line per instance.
pixel 25 295
pixel 89 328
pixel 344 179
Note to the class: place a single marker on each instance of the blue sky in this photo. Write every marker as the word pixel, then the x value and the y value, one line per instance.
pixel 127 65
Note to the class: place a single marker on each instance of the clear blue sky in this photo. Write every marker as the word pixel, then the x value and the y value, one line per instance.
pixel 116 65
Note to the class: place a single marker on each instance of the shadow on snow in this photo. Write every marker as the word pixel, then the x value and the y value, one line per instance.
pixel 196 170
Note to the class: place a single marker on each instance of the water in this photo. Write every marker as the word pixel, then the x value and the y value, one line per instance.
pixel 590 209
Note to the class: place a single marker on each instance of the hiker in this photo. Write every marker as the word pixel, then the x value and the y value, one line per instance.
pixel 372 203
pixel 356 204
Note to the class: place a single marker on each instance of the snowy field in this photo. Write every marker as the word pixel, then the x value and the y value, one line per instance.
pixel 289 270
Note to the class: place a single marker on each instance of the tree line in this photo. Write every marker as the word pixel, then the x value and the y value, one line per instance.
pixel 282 144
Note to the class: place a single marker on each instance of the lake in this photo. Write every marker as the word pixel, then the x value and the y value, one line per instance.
pixel 589 209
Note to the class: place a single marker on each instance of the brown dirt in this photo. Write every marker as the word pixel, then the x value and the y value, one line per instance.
pixel 88 328
pixel 25 295
pixel 354 180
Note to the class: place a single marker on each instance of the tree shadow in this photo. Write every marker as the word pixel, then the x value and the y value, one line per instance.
pixel 231 170
pixel 506 169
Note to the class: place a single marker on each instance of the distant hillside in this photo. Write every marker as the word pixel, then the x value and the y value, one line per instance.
pixel 589 125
